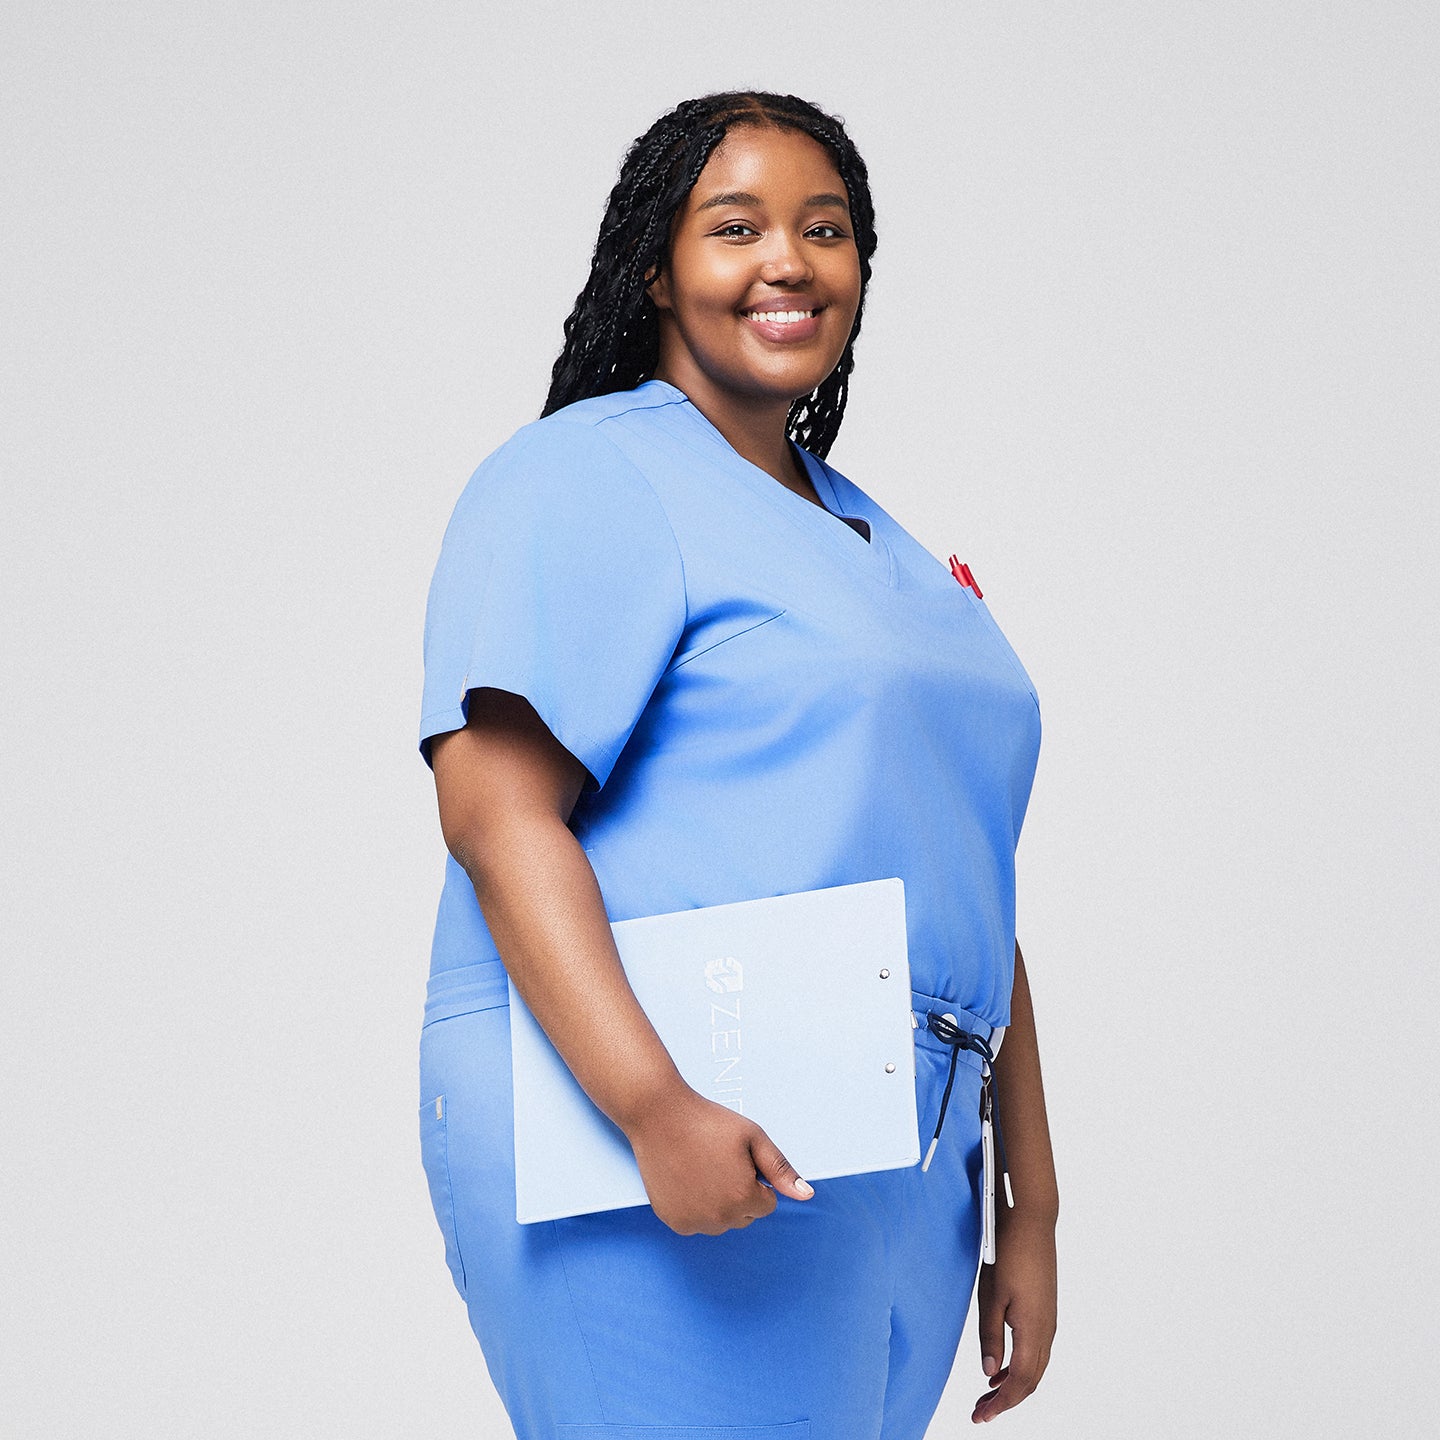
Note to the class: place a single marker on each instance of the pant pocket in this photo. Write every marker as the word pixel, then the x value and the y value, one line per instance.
pixel 435 1156
pixel 786 1430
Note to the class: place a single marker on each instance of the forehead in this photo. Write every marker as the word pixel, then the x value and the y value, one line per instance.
pixel 776 166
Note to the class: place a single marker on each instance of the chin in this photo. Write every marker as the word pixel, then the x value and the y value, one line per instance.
pixel 790 381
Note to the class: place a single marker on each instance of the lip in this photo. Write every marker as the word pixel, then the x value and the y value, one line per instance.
pixel 784 332
pixel 784 302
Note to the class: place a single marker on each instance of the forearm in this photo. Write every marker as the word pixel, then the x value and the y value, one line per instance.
pixel 1020 1099
pixel 544 909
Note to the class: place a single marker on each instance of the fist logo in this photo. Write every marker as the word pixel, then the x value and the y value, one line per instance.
pixel 724 975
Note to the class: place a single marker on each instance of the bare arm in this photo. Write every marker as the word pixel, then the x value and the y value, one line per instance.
pixel 1024 1126
pixel 506 789
pixel 1019 1289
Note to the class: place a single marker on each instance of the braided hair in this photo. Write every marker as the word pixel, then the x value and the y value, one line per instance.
pixel 612 336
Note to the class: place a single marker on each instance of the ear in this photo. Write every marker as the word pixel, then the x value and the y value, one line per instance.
pixel 657 287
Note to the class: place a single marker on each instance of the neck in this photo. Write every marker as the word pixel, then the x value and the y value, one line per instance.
pixel 754 426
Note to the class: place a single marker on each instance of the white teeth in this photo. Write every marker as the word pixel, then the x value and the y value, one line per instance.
pixel 780 317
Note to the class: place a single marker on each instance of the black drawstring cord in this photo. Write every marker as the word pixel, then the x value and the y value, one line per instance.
pixel 947 1031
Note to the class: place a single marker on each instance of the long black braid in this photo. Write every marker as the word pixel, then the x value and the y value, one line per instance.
pixel 612 336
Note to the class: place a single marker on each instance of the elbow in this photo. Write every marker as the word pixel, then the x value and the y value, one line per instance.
pixel 463 845
pixel 476 838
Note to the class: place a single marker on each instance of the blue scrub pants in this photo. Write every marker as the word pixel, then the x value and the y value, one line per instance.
pixel 834 1318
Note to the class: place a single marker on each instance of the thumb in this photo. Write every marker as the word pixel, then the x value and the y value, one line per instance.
pixel 777 1170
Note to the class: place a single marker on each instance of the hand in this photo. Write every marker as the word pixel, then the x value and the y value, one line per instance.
pixel 699 1161
pixel 1018 1290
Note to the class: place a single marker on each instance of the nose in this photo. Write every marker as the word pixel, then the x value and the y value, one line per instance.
pixel 784 261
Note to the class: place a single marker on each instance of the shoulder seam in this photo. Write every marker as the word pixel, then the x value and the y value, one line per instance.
pixel 639 474
pixel 664 515
pixel 563 417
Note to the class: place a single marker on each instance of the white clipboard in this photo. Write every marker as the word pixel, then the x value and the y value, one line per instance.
pixel 793 1010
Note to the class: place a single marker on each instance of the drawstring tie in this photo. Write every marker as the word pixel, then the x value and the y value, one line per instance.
pixel 945 1029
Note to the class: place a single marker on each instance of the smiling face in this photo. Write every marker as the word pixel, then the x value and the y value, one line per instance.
pixel 759 295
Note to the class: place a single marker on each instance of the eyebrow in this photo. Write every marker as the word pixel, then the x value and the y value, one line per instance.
pixel 744 197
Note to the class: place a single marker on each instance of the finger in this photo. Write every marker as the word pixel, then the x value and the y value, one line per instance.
pixel 764 1202
pixel 1026 1360
pixel 991 1326
pixel 775 1168
pixel 1016 1381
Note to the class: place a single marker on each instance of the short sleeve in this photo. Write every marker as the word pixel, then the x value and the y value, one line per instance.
pixel 559 579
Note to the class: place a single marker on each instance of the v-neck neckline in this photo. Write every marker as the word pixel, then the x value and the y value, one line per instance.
pixel 824 521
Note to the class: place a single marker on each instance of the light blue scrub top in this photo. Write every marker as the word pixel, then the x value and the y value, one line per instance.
pixel 766 702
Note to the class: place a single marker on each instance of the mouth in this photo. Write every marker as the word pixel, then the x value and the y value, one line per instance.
pixel 781 317
pixel 784 326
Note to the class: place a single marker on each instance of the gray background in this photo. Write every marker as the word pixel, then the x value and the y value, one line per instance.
pixel 1151 344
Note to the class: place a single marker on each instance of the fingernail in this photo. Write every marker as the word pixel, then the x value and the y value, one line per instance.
pixel 804 1187
pixel 988 1365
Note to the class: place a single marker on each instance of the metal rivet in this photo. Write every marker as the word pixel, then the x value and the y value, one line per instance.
pixel 890 1069
pixel 884 974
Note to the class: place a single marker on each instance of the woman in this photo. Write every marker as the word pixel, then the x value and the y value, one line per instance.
pixel 673 658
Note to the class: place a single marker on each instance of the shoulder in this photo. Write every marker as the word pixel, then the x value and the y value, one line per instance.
pixel 574 452
pixel 564 478
pixel 557 467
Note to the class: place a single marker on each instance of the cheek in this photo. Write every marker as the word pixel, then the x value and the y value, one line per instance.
pixel 710 279
pixel 721 289
pixel 845 278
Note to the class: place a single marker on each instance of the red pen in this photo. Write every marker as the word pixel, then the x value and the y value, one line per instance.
pixel 962 573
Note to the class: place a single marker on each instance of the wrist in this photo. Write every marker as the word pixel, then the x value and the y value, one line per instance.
pixel 656 1100
pixel 1037 1218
